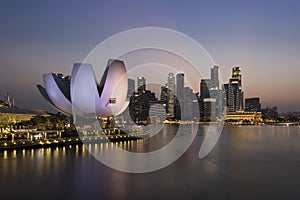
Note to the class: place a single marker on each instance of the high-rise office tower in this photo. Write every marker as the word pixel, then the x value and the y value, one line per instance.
pixel 131 88
pixel 179 85
pixel 211 101
pixel 171 94
pixel 214 76
pixel 207 100
pixel 164 94
pixel 141 83
pixel 140 104
pixel 237 74
pixel 205 87
pixel 234 93
pixel 179 100
pixel 188 103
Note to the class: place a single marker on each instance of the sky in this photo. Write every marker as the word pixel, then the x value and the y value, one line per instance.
pixel 262 37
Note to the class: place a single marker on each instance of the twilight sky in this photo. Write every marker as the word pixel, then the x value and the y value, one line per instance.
pixel 262 37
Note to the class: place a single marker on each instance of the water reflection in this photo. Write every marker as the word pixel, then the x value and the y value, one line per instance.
pixel 280 134
pixel 263 158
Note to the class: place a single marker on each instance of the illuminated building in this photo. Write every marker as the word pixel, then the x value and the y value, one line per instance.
pixel 9 114
pixel 141 83
pixel 171 95
pixel 179 99
pixel 237 74
pixel 139 106
pixel 252 105
pixel 82 91
pixel 211 97
pixel 164 94
pixel 234 93
pixel 250 117
pixel 209 111
pixel 270 113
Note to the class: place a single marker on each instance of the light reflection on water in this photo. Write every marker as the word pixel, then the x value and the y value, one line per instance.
pixel 248 162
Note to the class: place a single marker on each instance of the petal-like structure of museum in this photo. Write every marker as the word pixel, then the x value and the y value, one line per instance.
pixel 83 88
pixel 58 92
pixel 112 90
pixel 108 98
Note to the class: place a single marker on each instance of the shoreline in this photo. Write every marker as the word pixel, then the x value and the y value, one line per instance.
pixel 9 145
pixel 76 140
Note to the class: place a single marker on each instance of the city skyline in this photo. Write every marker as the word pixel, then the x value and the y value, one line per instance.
pixel 260 37
pixel 171 99
pixel 213 82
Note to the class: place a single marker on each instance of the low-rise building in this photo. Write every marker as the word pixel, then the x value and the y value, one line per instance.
pixel 15 115
pixel 250 117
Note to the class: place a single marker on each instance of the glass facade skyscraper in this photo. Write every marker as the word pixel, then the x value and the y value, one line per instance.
pixel 131 88
pixel 179 100
pixel 179 86
pixel 141 83
pixel 234 92
pixel 214 76
pixel 171 95
pixel 211 101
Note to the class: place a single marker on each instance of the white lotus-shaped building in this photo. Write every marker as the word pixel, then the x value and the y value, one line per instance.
pixel 82 92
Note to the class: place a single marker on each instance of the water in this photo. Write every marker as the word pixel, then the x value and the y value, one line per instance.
pixel 248 162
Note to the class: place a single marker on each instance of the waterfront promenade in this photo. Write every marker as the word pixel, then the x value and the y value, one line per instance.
pixel 55 138
pixel 58 138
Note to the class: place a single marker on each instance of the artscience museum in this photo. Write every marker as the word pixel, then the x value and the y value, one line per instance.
pixel 83 92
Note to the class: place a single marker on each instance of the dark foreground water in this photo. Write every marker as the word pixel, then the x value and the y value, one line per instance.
pixel 248 162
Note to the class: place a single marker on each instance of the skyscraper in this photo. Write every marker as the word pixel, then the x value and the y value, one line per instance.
pixel 131 88
pixel 179 100
pixel 237 74
pixel 234 93
pixel 140 104
pixel 207 100
pixel 188 104
pixel 211 97
pixel 205 87
pixel 171 95
pixel 214 76
pixel 179 85
pixel 141 83
pixel 164 94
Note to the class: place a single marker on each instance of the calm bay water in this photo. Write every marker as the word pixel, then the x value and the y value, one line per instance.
pixel 248 162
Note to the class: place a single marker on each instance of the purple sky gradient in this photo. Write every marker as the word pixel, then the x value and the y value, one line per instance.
pixel 262 37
